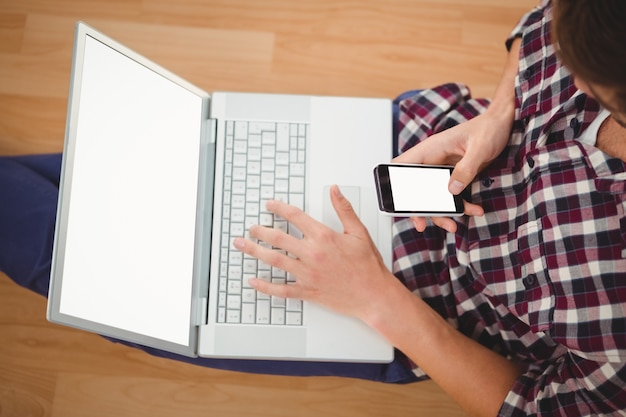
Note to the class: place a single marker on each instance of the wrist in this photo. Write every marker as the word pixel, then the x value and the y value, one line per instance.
pixel 384 312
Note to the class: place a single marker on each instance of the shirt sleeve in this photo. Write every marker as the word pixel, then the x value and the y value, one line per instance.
pixel 528 19
pixel 569 387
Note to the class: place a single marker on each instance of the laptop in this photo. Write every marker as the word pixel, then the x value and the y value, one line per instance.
pixel 158 178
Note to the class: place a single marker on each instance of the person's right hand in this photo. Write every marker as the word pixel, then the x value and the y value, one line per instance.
pixel 469 146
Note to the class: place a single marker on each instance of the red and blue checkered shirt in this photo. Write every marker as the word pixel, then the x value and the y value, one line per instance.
pixel 541 277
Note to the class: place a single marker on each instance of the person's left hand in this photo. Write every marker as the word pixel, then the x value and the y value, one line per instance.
pixel 343 272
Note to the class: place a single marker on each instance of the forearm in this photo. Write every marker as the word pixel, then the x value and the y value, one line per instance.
pixel 474 376
pixel 502 105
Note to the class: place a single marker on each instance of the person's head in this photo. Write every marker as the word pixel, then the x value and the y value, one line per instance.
pixel 590 37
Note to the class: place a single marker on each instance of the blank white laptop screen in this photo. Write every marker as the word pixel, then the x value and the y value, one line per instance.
pixel 129 252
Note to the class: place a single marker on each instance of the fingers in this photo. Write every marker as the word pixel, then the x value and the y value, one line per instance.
pixel 472 209
pixel 414 155
pixel 347 216
pixel 270 256
pixel 305 223
pixel 446 223
pixel 277 290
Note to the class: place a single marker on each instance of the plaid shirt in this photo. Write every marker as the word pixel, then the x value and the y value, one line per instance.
pixel 541 278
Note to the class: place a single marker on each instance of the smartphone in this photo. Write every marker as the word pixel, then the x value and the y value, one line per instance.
pixel 416 190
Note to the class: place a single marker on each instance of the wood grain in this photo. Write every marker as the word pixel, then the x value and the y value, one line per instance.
pixel 330 47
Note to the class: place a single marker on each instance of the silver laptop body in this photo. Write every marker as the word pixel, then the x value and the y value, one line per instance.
pixel 152 192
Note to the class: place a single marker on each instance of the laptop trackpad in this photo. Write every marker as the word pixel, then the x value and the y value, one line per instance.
pixel 260 341
pixel 329 216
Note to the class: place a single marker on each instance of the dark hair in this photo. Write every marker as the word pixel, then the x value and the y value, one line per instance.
pixel 590 37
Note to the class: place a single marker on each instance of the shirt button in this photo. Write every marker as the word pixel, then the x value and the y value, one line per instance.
pixel 487 182
pixel 528 73
pixel 530 160
pixel 574 124
pixel 529 281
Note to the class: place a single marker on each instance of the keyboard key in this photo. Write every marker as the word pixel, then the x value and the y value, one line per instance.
pixel 236 229
pixel 241 130
pixel 268 151
pixel 248 313
pixel 235 257
pixel 241 146
pixel 240 160
pixel 278 316
pixel 254 154
pixel 296 185
pixel 268 164
pixel 282 158
pixel 293 318
pixel 254 181
pixel 266 219
pixel 254 141
pixel 235 272
pixel 267 178
pixel 249 266
pixel 254 168
pixel 233 316
pixel 263 312
pixel 233 302
pixel 282 171
pixel 281 225
pixel 282 137
pixel 294 305
pixel 238 215
pixel 278 302
pixel 234 287
pixel 238 201
pixel 282 186
pixel 238 187
pixel 296 169
pixel 297 199
pixel 267 192
pixel 239 174
pixel 248 295
pixel 268 138
pixel 260 127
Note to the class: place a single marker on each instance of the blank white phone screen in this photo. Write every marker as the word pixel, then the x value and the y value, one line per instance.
pixel 421 189
pixel 129 249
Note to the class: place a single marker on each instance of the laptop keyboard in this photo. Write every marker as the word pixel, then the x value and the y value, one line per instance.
pixel 263 161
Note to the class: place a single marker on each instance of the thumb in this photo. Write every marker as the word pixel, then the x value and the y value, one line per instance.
pixel 345 212
pixel 464 172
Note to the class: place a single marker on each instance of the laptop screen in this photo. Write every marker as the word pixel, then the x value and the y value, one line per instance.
pixel 131 176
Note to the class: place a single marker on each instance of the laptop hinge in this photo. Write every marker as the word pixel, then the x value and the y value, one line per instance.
pixel 202 314
pixel 211 127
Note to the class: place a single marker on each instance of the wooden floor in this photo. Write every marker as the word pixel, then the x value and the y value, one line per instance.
pixel 339 47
